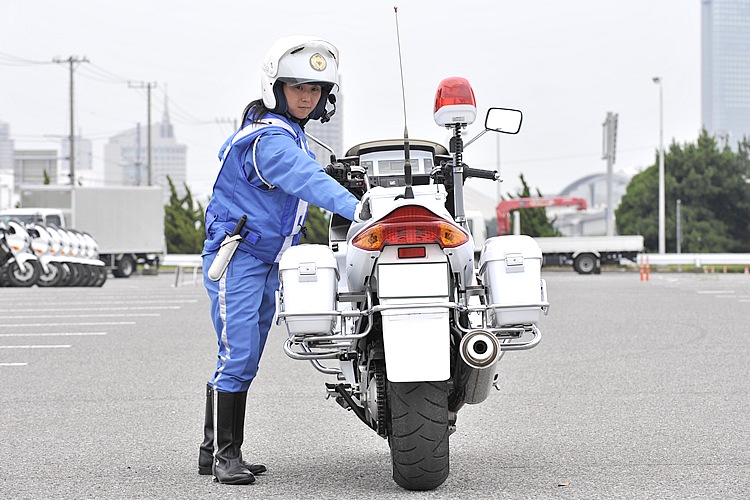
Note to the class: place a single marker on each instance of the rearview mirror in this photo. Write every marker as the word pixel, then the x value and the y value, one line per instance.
pixel 506 121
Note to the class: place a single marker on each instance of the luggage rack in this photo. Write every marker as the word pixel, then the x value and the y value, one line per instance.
pixel 318 346
pixel 505 333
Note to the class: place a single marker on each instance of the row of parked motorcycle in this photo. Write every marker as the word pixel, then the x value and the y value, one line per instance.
pixel 47 256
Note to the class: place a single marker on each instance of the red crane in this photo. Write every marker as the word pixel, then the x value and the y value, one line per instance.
pixel 505 207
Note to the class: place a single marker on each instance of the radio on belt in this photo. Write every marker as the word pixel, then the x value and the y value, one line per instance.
pixel 226 251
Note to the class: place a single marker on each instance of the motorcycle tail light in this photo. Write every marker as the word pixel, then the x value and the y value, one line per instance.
pixel 410 225
pixel 455 102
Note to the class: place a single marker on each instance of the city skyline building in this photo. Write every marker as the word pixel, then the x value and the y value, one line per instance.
pixel 84 170
pixel 330 133
pixel 34 166
pixel 6 167
pixel 126 157
pixel 725 74
pixel 6 148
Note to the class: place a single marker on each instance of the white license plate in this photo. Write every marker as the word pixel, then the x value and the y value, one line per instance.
pixel 413 280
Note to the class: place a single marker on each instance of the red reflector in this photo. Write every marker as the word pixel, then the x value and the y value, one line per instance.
pixel 411 252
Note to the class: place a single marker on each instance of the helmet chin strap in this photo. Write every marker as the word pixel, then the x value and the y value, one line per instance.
pixel 281 107
pixel 302 121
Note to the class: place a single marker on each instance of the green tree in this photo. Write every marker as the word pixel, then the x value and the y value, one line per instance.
pixel 534 221
pixel 316 226
pixel 712 186
pixel 184 223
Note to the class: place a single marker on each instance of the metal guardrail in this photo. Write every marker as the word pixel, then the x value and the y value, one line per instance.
pixel 696 259
pixel 180 263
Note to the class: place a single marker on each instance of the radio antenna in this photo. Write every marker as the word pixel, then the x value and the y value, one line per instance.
pixel 408 193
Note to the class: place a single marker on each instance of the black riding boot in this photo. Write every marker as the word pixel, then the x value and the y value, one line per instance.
pixel 206 454
pixel 229 411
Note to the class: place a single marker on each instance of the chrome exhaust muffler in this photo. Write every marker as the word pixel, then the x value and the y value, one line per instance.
pixel 479 352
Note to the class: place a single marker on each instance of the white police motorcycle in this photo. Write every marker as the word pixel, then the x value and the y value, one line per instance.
pixel 395 309
pixel 22 267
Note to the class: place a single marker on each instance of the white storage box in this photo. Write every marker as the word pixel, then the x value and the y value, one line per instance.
pixel 510 268
pixel 308 277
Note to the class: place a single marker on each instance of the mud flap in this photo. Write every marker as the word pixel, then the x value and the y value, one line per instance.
pixel 417 345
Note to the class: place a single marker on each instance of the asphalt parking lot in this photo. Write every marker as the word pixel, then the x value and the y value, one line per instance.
pixel 638 390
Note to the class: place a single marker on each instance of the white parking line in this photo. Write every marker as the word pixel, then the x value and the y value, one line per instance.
pixel 34 316
pixel 17 325
pixel 72 309
pixel 715 291
pixel 13 364
pixel 104 303
pixel 61 334
pixel 48 346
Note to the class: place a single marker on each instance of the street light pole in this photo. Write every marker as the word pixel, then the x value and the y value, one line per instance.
pixel 662 202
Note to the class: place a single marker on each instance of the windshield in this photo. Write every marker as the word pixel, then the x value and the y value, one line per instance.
pixel 25 219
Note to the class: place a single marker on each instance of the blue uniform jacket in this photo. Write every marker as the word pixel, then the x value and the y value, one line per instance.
pixel 269 175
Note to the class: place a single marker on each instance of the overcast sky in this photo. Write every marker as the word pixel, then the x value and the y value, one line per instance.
pixel 565 64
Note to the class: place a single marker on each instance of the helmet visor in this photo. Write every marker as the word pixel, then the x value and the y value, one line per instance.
pixel 306 81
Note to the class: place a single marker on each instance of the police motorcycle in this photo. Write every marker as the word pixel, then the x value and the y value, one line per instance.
pixel 69 261
pixel 395 309
pixel 6 254
pixel 79 258
pixel 23 268
pixel 46 249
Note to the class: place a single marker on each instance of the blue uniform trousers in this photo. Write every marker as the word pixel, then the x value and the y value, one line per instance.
pixel 242 310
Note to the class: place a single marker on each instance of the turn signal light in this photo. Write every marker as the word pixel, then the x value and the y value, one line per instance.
pixel 410 225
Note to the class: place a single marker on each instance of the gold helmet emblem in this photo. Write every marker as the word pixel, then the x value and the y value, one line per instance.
pixel 318 62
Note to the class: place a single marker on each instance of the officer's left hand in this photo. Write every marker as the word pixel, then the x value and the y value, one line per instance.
pixel 337 171
pixel 362 210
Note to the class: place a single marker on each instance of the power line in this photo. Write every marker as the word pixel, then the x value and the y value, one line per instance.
pixel 108 74
pixel 11 60
pixel 100 77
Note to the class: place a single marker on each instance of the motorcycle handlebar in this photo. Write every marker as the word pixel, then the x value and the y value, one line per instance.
pixel 492 175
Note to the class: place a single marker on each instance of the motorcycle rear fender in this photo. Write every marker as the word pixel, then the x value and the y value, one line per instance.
pixel 417 341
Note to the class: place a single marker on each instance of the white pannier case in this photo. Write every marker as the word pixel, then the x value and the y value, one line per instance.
pixel 308 277
pixel 510 268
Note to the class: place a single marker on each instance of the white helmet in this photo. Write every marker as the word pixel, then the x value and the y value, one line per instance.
pixel 299 59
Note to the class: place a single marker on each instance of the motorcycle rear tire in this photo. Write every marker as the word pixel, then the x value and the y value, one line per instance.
pixel 418 434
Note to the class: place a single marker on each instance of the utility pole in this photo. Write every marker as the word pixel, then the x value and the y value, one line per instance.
pixel 138 163
pixel 71 61
pixel 609 148
pixel 662 195
pixel 679 229
pixel 148 86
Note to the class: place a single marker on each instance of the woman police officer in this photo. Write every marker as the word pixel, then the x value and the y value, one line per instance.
pixel 268 175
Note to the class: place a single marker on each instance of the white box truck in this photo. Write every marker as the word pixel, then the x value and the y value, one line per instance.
pixel 127 222
pixel 587 253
